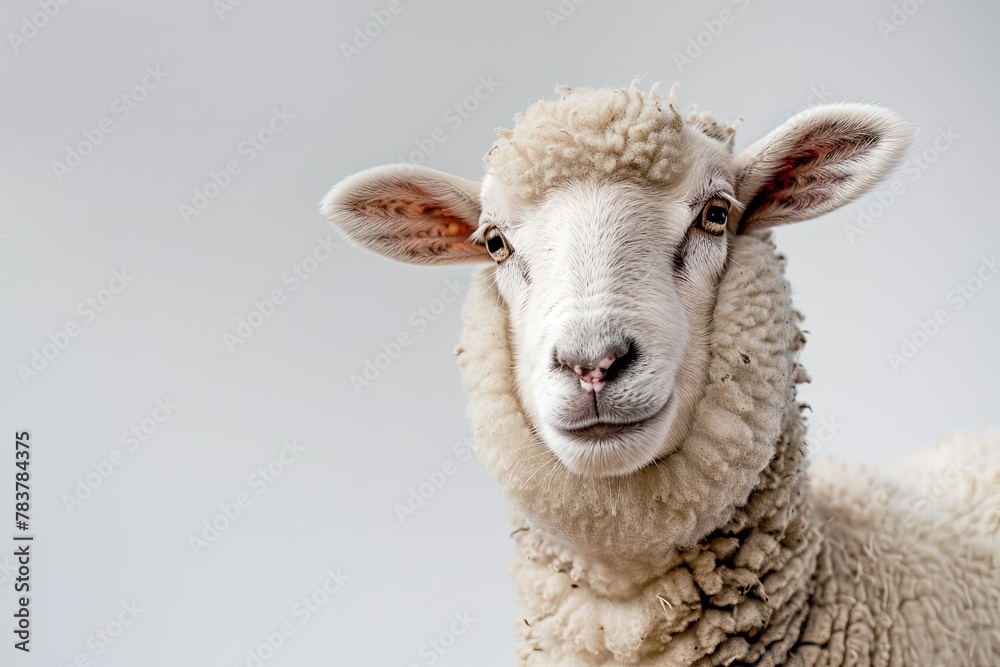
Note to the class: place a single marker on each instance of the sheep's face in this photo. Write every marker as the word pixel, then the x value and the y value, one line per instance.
pixel 610 288
pixel 607 214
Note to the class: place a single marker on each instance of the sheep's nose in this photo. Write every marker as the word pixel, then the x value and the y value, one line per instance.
pixel 594 373
pixel 592 379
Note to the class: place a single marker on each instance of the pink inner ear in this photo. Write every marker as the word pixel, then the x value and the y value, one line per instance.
pixel 419 218
pixel 806 178
pixel 415 226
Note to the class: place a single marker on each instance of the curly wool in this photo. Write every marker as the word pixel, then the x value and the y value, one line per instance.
pixel 724 554
pixel 600 133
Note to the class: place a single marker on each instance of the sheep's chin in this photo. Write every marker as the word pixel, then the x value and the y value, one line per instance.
pixel 620 452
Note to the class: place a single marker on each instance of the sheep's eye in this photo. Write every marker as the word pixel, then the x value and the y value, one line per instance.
pixel 497 246
pixel 713 217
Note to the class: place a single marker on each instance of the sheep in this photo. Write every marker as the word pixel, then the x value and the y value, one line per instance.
pixel 631 357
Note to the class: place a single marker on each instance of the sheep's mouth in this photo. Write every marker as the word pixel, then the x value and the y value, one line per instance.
pixel 600 430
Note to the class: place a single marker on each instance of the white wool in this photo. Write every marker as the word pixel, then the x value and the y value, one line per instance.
pixel 589 134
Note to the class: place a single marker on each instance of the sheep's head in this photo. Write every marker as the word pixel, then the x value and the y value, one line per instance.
pixel 607 214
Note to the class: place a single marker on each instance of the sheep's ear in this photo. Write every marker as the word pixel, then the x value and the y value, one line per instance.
pixel 817 161
pixel 409 213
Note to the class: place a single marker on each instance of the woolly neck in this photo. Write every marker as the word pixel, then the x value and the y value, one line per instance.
pixel 708 552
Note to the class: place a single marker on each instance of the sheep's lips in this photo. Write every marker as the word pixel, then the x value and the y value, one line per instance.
pixel 600 430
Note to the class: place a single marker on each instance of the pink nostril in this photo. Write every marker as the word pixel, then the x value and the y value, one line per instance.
pixel 592 379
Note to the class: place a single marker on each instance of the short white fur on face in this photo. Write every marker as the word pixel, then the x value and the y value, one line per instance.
pixel 608 217
pixel 601 269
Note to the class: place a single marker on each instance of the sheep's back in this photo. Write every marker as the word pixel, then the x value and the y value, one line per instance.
pixel 910 572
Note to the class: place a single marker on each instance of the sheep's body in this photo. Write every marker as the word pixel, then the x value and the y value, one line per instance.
pixel 848 570
pixel 915 566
